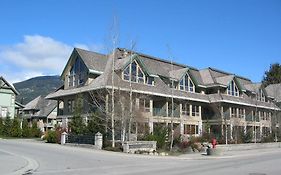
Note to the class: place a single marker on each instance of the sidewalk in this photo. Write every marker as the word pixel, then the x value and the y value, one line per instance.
pixel 230 154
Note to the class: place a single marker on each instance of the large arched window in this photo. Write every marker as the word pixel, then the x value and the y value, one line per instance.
pixel 186 84
pixel 134 73
pixel 232 89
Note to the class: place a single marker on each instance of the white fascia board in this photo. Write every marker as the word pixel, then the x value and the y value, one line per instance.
pixel 152 75
pixel 247 104
pixel 95 71
pixel 160 94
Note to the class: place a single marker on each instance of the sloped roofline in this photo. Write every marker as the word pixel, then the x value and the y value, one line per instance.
pixel 224 72
pixel 12 87
pixel 158 59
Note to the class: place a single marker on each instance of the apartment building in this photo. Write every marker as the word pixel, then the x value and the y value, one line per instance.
pixel 163 92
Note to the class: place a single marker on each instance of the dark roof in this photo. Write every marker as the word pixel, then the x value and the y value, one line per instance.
pixel 7 85
pixel 42 106
pixel 274 90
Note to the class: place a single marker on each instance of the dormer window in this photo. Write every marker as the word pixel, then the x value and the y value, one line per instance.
pixel 186 84
pixel 134 73
pixel 232 89
pixel 260 95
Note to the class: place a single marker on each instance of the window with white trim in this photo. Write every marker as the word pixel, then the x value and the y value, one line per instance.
pixel 4 112
pixel 134 73
pixel 233 112
pixel 241 113
pixel 186 84
pixel 144 105
pixel 232 89
pixel 195 111
pixel 185 109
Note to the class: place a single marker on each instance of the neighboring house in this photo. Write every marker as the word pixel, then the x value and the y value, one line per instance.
pixel 165 93
pixel 8 105
pixel 274 90
pixel 43 111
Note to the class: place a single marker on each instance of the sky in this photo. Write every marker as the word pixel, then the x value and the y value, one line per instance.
pixel 238 36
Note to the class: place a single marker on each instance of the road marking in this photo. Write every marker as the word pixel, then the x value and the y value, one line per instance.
pixel 29 168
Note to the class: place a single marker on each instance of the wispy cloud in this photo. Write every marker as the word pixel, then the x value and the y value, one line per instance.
pixel 36 55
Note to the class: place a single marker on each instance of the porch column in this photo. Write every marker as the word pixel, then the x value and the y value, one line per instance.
pixel 106 112
pixel 181 121
pixel 150 120
pixel 200 115
pixel 137 103
pixel 167 109
pixel 231 129
pixel 200 126
pixel 261 134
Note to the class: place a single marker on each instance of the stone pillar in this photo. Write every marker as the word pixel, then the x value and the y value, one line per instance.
pixel 63 138
pixel 98 140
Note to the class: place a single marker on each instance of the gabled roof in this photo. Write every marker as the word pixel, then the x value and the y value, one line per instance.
pixel 7 85
pixel 121 64
pixel 178 74
pixel 224 80
pixel 43 106
pixel 92 60
pixel 274 90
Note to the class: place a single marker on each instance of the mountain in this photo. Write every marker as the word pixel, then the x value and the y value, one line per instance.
pixel 31 88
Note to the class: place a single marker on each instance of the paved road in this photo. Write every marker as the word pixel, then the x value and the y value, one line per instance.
pixel 25 156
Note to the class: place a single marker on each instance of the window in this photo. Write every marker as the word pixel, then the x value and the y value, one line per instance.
pixel 4 112
pixel 232 89
pixel 185 109
pixel 233 112
pixel 190 129
pixel 241 113
pixel 70 105
pixel 13 100
pixel 144 105
pixel 195 111
pixel 261 96
pixel 134 73
pixel 150 80
pixel 78 73
pixel 186 84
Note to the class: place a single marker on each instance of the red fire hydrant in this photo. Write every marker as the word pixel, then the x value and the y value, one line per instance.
pixel 214 143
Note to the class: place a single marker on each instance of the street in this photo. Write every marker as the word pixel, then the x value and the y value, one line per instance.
pixel 33 157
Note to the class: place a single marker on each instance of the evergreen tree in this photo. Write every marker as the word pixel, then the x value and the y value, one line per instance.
pixel 35 131
pixel 25 128
pixel 1 126
pixel 273 75
pixel 7 126
pixel 16 130
pixel 77 125
pixel 96 123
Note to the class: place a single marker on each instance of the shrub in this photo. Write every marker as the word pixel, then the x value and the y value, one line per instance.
pixel 7 129
pixel 51 136
pixel 1 126
pixel 160 135
pixel 16 130
pixel 26 131
pixel 35 131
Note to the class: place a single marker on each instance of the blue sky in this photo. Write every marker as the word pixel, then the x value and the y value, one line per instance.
pixel 237 36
